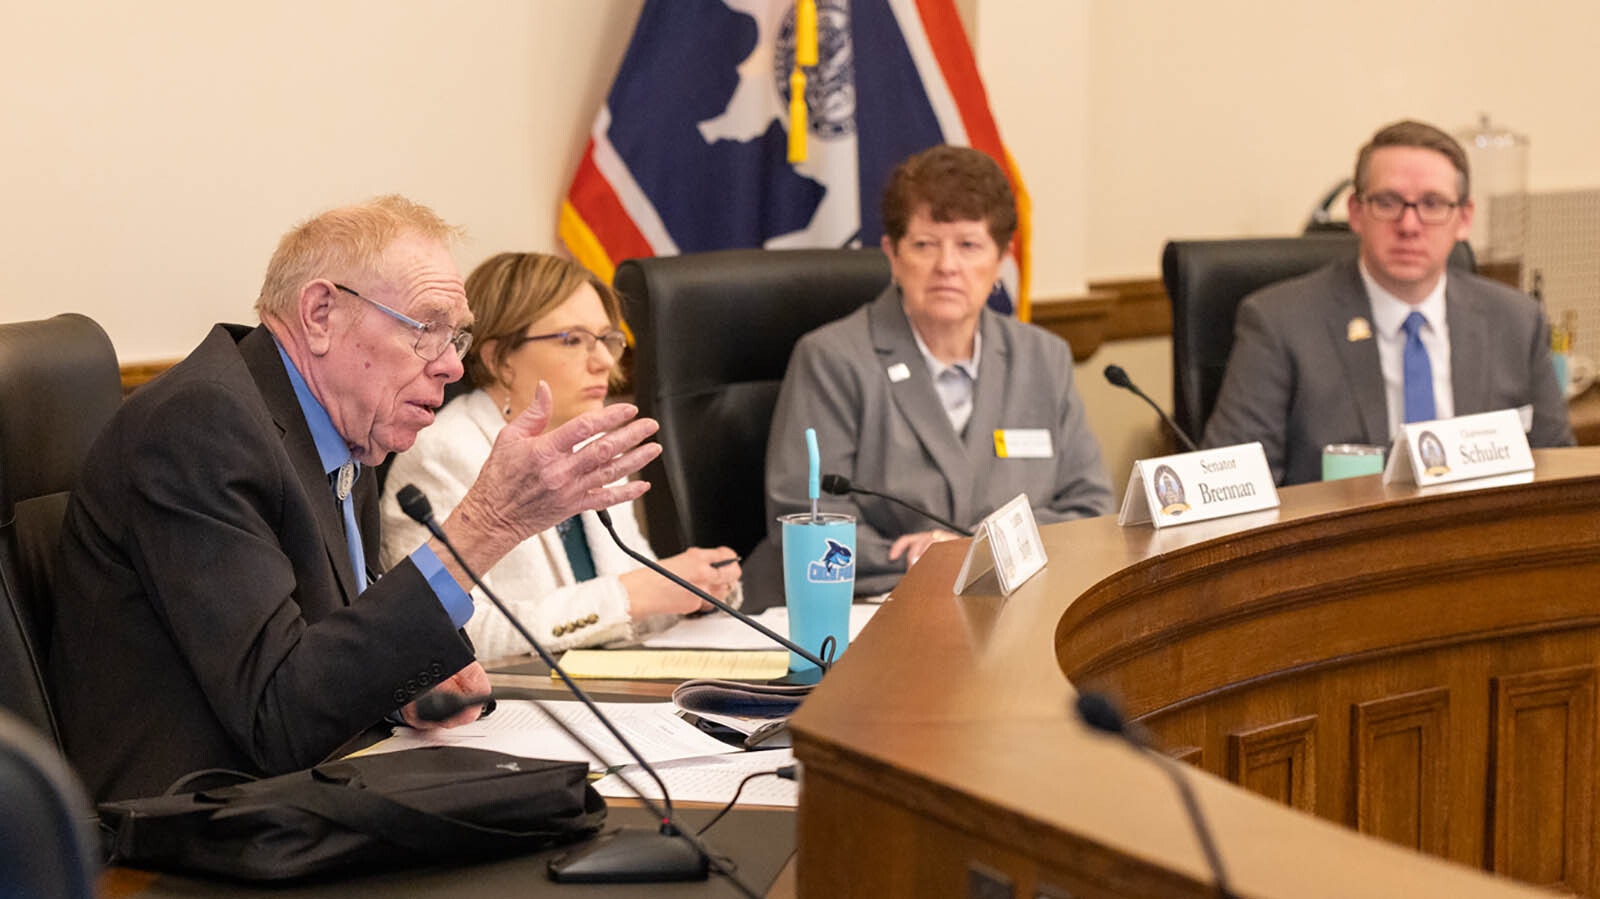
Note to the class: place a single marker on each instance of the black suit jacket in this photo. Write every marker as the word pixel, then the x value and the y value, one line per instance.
pixel 206 609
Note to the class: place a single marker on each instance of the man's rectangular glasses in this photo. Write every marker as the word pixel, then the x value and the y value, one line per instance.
pixel 432 337
pixel 1391 207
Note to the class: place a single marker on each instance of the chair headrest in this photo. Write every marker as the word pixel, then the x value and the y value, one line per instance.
pixel 62 384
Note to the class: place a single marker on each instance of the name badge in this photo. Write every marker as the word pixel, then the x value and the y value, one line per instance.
pixel 1198 486
pixel 1459 449
pixel 1023 443
pixel 1007 540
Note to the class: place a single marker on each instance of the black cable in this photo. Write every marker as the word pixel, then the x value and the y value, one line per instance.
pixel 664 813
pixel 736 792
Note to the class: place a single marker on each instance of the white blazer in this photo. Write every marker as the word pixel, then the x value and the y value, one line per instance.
pixel 535 579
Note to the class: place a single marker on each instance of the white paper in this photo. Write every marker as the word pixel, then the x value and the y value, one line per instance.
pixel 720 630
pixel 712 779
pixel 518 727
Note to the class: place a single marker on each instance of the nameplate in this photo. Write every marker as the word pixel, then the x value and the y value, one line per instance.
pixel 1198 486
pixel 1459 449
pixel 1007 541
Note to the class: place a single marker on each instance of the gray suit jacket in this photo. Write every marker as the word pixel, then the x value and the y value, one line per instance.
pixel 1296 383
pixel 894 436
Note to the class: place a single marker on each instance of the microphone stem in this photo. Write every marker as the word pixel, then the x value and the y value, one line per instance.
pixel 1202 829
pixel 666 816
pixel 947 525
pixel 1165 418
pixel 785 642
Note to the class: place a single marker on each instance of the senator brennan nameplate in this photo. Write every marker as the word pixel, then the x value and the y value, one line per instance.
pixel 1198 486
pixel 1459 449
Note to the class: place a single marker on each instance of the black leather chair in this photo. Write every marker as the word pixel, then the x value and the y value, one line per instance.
pixel 48 846
pixel 1207 279
pixel 713 335
pixel 60 383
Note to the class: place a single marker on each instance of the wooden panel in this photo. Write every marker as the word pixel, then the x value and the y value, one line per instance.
pixel 1400 769
pixel 138 374
pixel 1080 321
pixel 1277 761
pixel 1189 755
pixel 1141 309
pixel 1543 782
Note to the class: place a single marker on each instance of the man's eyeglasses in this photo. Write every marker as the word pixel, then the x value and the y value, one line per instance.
pixel 575 338
pixel 432 337
pixel 1391 207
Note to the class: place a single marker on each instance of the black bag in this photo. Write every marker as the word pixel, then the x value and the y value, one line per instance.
pixel 441 804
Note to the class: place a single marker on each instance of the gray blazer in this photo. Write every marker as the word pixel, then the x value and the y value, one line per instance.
pixel 893 435
pixel 1296 383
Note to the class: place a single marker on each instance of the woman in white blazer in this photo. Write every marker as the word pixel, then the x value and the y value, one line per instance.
pixel 540 319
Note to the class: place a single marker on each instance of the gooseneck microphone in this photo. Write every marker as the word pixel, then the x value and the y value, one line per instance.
pixel 1100 713
pixel 1119 378
pixel 769 633
pixel 444 706
pixel 839 485
pixel 628 855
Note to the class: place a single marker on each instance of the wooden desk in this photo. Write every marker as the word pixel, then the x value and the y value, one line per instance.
pixel 946 741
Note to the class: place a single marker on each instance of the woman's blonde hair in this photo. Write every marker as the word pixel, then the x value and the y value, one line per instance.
pixel 511 291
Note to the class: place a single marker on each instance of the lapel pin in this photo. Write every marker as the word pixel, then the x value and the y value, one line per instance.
pixel 1357 330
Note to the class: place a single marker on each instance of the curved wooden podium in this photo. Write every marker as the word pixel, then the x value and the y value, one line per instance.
pixel 1412 665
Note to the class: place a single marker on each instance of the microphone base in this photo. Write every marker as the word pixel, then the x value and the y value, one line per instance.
pixel 631 855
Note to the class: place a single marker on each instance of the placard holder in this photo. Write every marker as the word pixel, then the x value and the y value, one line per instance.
pixel 1198 486
pixel 1463 448
pixel 1008 542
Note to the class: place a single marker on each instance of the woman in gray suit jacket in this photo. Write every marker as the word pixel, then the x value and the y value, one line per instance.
pixel 926 394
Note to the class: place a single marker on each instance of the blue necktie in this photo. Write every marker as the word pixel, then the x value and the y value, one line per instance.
pixel 1418 372
pixel 344 478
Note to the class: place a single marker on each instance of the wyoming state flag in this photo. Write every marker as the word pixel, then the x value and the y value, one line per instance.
pixel 691 151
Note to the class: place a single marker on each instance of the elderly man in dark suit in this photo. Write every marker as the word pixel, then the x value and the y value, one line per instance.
pixel 1348 353
pixel 215 605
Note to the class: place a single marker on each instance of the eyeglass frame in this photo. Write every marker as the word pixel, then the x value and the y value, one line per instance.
pixel 1450 207
pixel 621 338
pixel 460 338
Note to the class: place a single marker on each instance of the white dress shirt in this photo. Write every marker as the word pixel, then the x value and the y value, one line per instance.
pixel 955 383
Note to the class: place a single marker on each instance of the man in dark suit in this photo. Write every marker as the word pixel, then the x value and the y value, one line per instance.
pixel 214 608
pixel 1348 353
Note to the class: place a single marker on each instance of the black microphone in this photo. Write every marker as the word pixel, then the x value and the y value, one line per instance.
pixel 1099 712
pixel 839 485
pixel 1119 378
pixel 444 706
pixel 628 855
pixel 658 568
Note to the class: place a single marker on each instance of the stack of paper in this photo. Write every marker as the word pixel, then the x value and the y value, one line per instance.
pixel 712 779
pixel 520 727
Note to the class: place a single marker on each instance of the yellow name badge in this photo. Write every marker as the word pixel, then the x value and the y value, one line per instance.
pixel 1023 443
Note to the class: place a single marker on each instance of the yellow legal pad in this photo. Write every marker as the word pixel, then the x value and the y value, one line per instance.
pixel 676 664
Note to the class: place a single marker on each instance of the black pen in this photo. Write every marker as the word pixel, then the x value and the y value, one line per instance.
pixel 724 563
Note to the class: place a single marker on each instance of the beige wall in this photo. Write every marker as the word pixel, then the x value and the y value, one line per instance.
pixel 1231 117
pixel 154 151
